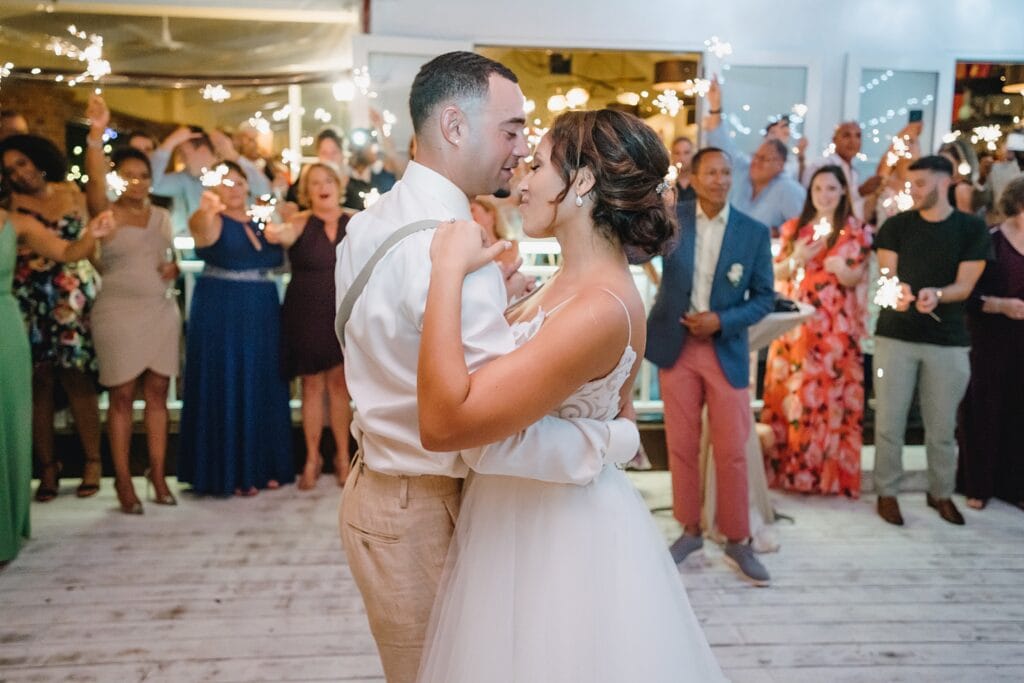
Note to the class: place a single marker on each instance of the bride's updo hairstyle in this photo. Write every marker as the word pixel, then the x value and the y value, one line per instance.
pixel 629 163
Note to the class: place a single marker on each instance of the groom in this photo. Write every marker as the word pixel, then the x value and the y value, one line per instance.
pixel 400 503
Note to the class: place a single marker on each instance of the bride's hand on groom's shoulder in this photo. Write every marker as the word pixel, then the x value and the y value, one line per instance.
pixel 461 246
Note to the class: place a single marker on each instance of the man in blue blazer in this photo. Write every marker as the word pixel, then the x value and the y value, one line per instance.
pixel 715 284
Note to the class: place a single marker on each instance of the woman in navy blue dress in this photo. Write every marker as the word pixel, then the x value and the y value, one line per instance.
pixel 235 420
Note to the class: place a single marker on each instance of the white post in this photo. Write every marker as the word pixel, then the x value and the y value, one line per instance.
pixel 295 127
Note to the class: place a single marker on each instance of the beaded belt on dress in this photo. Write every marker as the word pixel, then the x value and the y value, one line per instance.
pixel 249 275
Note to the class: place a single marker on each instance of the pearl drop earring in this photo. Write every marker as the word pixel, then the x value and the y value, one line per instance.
pixel 579 200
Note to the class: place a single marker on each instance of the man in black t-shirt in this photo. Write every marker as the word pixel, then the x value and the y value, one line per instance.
pixel 938 254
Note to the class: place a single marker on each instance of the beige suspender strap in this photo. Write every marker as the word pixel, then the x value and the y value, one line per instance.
pixel 349 300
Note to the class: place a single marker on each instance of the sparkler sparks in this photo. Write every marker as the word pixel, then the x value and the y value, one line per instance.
pixel 902 200
pixel 989 134
pixel 92 54
pixel 899 150
pixel 116 183
pixel 215 92
pixel 717 47
pixel 822 229
pixel 390 120
pixel 889 292
pixel 261 214
pixel 214 177
pixel 369 198
pixel 668 102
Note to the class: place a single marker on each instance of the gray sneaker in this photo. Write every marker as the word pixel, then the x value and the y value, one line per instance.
pixel 685 546
pixel 740 556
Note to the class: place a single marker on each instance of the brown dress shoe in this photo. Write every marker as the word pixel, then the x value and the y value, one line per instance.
pixel 946 509
pixel 889 510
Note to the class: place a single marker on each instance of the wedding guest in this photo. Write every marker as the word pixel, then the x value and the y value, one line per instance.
pixel 846 144
pixel 992 412
pixel 330 150
pixel 682 151
pixel 235 420
pixel 199 150
pixel 716 283
pixel 367 176
pixel 16 367
pixel 309 347
pixel 761 188
pixel 779 128
pixel 814 382
pixel 965 171
pixel 938 254
pixel 56 299
pixel 135 321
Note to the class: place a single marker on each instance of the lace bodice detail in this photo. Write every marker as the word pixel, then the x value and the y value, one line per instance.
pixel 598 399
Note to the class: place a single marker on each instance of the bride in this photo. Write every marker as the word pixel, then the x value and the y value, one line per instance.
pixel 552 583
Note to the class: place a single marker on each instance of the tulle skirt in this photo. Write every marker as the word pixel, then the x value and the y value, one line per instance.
pixel 550 583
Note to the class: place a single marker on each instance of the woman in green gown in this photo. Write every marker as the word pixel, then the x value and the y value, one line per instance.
pixel 16 366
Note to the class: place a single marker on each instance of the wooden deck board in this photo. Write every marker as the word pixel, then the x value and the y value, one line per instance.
pixel 257 589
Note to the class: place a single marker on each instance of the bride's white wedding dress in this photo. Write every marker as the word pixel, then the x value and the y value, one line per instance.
pixel 555 583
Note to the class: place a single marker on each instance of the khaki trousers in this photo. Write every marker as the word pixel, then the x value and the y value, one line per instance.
pixel 396 531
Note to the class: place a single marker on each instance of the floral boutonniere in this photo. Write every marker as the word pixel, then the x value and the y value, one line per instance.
pixel 735 274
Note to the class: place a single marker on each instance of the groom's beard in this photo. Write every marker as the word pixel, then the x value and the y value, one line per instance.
pixel 502 193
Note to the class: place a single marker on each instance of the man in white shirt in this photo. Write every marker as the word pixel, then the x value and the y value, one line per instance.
pixel 401 501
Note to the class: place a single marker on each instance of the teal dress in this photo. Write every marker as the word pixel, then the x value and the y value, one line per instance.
pixel 15 408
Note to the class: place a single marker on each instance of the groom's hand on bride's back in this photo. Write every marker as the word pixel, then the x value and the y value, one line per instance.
pixel 461 246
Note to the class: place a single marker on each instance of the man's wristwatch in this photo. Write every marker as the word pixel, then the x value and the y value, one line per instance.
pixel 938 294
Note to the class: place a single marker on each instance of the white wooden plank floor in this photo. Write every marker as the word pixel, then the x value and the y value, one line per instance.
pixel 257 589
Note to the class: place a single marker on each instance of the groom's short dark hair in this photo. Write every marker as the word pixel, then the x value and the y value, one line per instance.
pixel 453 74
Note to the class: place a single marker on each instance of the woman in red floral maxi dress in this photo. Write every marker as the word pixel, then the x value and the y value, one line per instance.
pixel 814 382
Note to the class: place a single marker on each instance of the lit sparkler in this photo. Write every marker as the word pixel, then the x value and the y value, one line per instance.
pixel 822 229
pixel 214 177
pixel 899 150
pixel 717 47
pixel 369 198
pixel 261 214
pixel 92 54
pixel 902 200
pixel 216 92
pixel 668 102
pixel 989 134
pixel 889 292
pixel 116 183
pixel 698 87
pixel 390 120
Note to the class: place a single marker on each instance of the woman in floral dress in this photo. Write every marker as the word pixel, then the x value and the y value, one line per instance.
pixel 814 383
pixel 55 299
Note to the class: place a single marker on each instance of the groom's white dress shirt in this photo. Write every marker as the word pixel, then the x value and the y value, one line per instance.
pixel 382 347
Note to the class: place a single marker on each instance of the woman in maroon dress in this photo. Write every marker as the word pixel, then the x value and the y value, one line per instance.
pixel 991 456
pixel 309 347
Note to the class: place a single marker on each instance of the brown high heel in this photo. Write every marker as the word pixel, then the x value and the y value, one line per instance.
pixel 45 493
pixel 154 495
pixel 129 505
pixel 92 472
